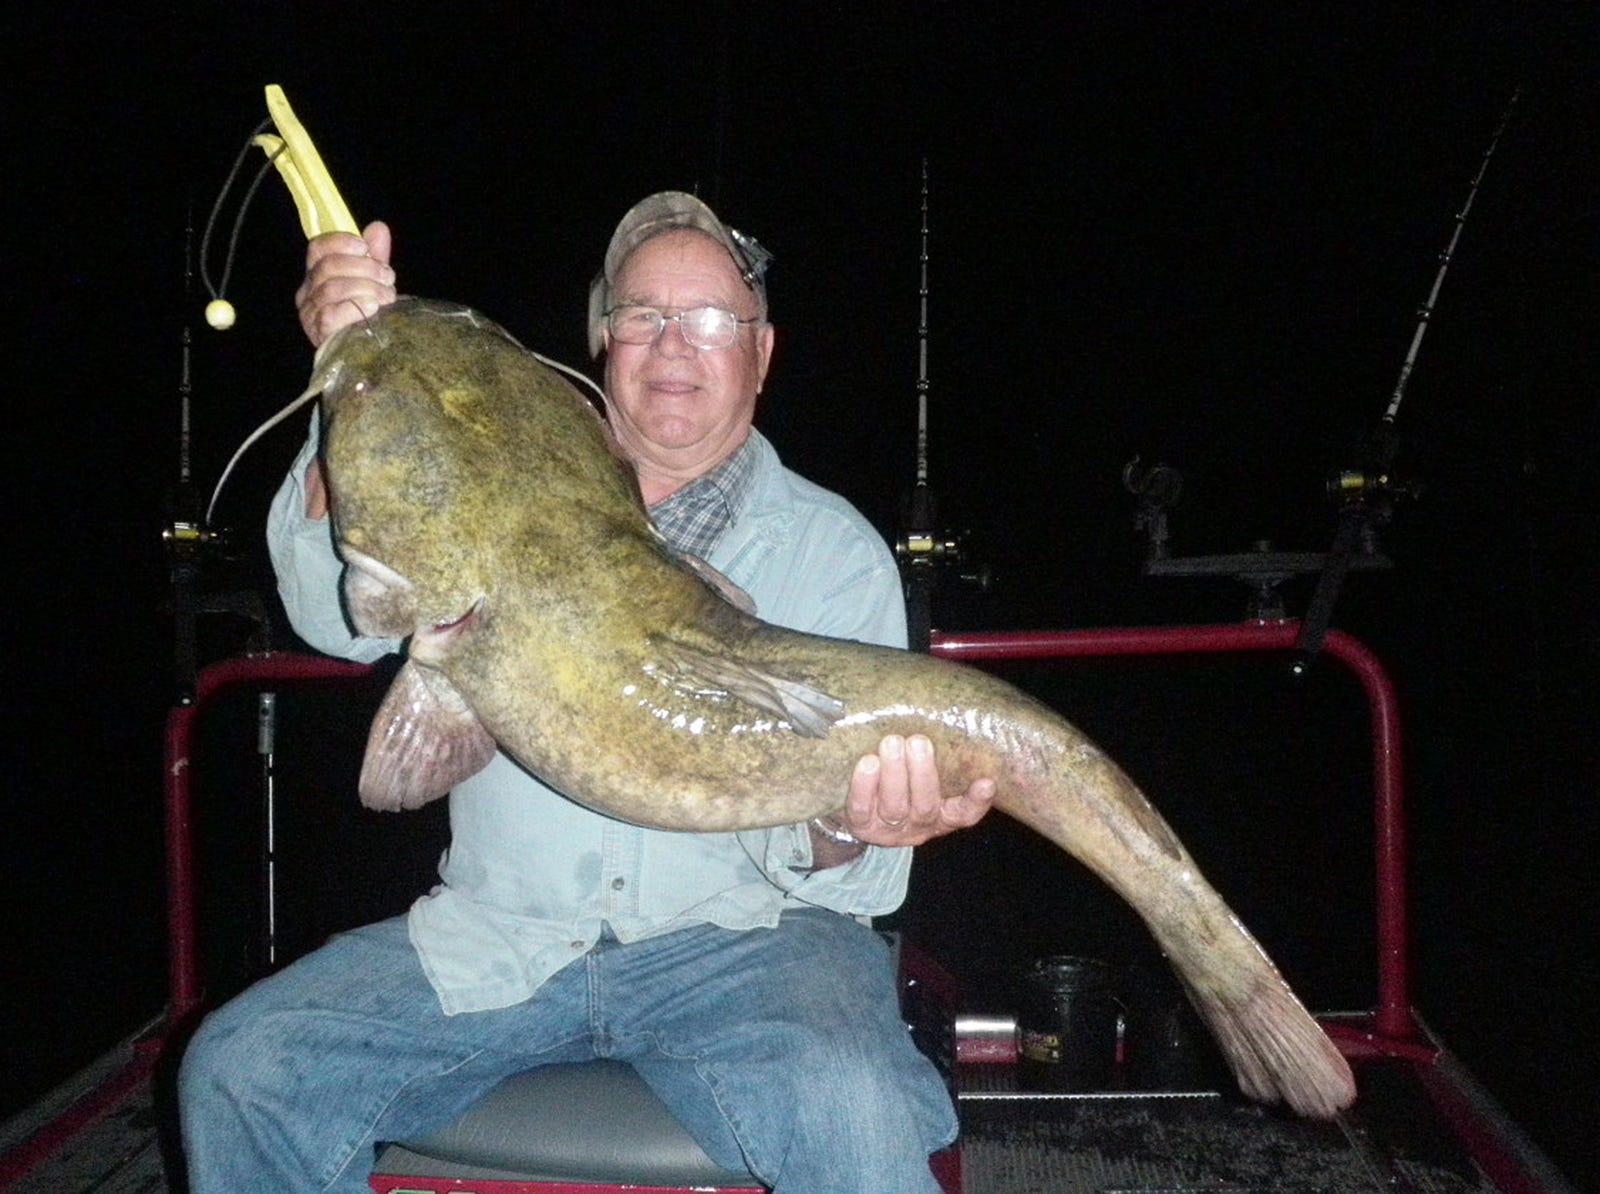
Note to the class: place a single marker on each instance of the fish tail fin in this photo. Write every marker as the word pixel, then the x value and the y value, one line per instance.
pixel 1276 1050
pixel 1274 1047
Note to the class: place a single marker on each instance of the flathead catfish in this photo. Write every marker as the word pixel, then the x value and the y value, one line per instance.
pixel 483 513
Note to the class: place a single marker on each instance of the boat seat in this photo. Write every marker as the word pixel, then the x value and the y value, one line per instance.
pixel 591 1121
pixel 597 1123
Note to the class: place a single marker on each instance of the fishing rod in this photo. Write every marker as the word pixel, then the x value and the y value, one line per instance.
pixel 1366 495
pixel 922 549
pixel 922 343
pixel 191 543
pixel 1445 258
pixel 918 546
pixel 183 532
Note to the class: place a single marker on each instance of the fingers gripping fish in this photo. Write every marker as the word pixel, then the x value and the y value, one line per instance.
pixel 483 513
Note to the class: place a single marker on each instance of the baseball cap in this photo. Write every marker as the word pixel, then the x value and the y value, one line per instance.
pixel 662 212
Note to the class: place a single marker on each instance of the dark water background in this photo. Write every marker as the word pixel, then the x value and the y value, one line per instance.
pixel 1196 236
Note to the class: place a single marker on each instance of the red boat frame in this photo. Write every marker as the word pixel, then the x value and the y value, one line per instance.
pixel 1391 1030
pixel 1392 1025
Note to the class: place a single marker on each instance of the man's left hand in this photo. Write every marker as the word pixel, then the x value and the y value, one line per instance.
pixel 896 798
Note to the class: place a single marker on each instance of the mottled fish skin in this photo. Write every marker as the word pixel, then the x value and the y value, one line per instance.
pixel 484 512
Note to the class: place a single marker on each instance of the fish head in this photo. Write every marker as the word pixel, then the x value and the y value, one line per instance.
pixel 465 478
pixel 413 453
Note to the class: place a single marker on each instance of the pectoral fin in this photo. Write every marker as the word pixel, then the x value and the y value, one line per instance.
pixel 380 601
pixel 424 740
pixel 809 711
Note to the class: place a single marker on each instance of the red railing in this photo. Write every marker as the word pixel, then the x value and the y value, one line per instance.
pixel 251 671
pixel 1392 1019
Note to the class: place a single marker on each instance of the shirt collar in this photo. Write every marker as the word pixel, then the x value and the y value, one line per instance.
pixel 693 518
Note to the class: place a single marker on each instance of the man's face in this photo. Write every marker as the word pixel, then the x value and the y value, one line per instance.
pixel 679 410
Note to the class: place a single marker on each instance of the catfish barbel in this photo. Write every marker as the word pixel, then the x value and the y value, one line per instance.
pixel 483 513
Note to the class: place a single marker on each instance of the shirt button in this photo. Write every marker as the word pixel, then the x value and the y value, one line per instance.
pixel 618 883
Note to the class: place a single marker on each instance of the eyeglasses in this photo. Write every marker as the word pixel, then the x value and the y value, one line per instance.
pixel 702 327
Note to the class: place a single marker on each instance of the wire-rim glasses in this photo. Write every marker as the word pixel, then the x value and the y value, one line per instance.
pixel 702 327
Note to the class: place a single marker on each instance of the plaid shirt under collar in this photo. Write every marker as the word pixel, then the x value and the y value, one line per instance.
pixel 693 518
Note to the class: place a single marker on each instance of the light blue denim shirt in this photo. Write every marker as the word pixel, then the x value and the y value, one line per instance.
pixel 530 878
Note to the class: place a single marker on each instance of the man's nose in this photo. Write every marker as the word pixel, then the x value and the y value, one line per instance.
pixel 670 343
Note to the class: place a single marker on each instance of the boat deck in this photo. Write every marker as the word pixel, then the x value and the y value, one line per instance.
pixel 1399 1138
pixel 99 1131
pixel 1107 1144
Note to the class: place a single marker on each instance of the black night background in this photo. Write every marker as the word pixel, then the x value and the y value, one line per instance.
pixel 1198 235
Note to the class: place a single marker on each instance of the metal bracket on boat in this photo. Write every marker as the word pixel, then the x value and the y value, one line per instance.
pixel 1263 568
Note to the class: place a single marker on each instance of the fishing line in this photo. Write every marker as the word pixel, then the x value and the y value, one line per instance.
pixel 219 312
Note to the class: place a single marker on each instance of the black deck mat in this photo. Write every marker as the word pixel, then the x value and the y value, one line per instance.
pixel 1155 1144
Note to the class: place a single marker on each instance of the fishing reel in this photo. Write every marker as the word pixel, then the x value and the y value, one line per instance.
pixel 1158 488
pixel 930 550
pixel 924 556
pixel 186 535
pixel 922 551
pixel 1371 486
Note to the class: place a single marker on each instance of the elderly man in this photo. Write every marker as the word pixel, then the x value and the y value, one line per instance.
pixel 735 971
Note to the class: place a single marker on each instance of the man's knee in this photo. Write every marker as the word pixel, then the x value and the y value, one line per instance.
pixel 235 1057
pixel 211 1059
pixel 882 1085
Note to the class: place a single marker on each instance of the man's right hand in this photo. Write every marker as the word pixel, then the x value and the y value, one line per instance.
pixel 348 278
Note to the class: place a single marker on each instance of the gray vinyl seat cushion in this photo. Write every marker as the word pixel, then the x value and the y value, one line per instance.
pixel 592 1121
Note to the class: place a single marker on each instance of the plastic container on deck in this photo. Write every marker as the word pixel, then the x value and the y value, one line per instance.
pixel 1067 1022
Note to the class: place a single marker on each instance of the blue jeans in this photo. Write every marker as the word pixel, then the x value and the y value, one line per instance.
pixel 781 1050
